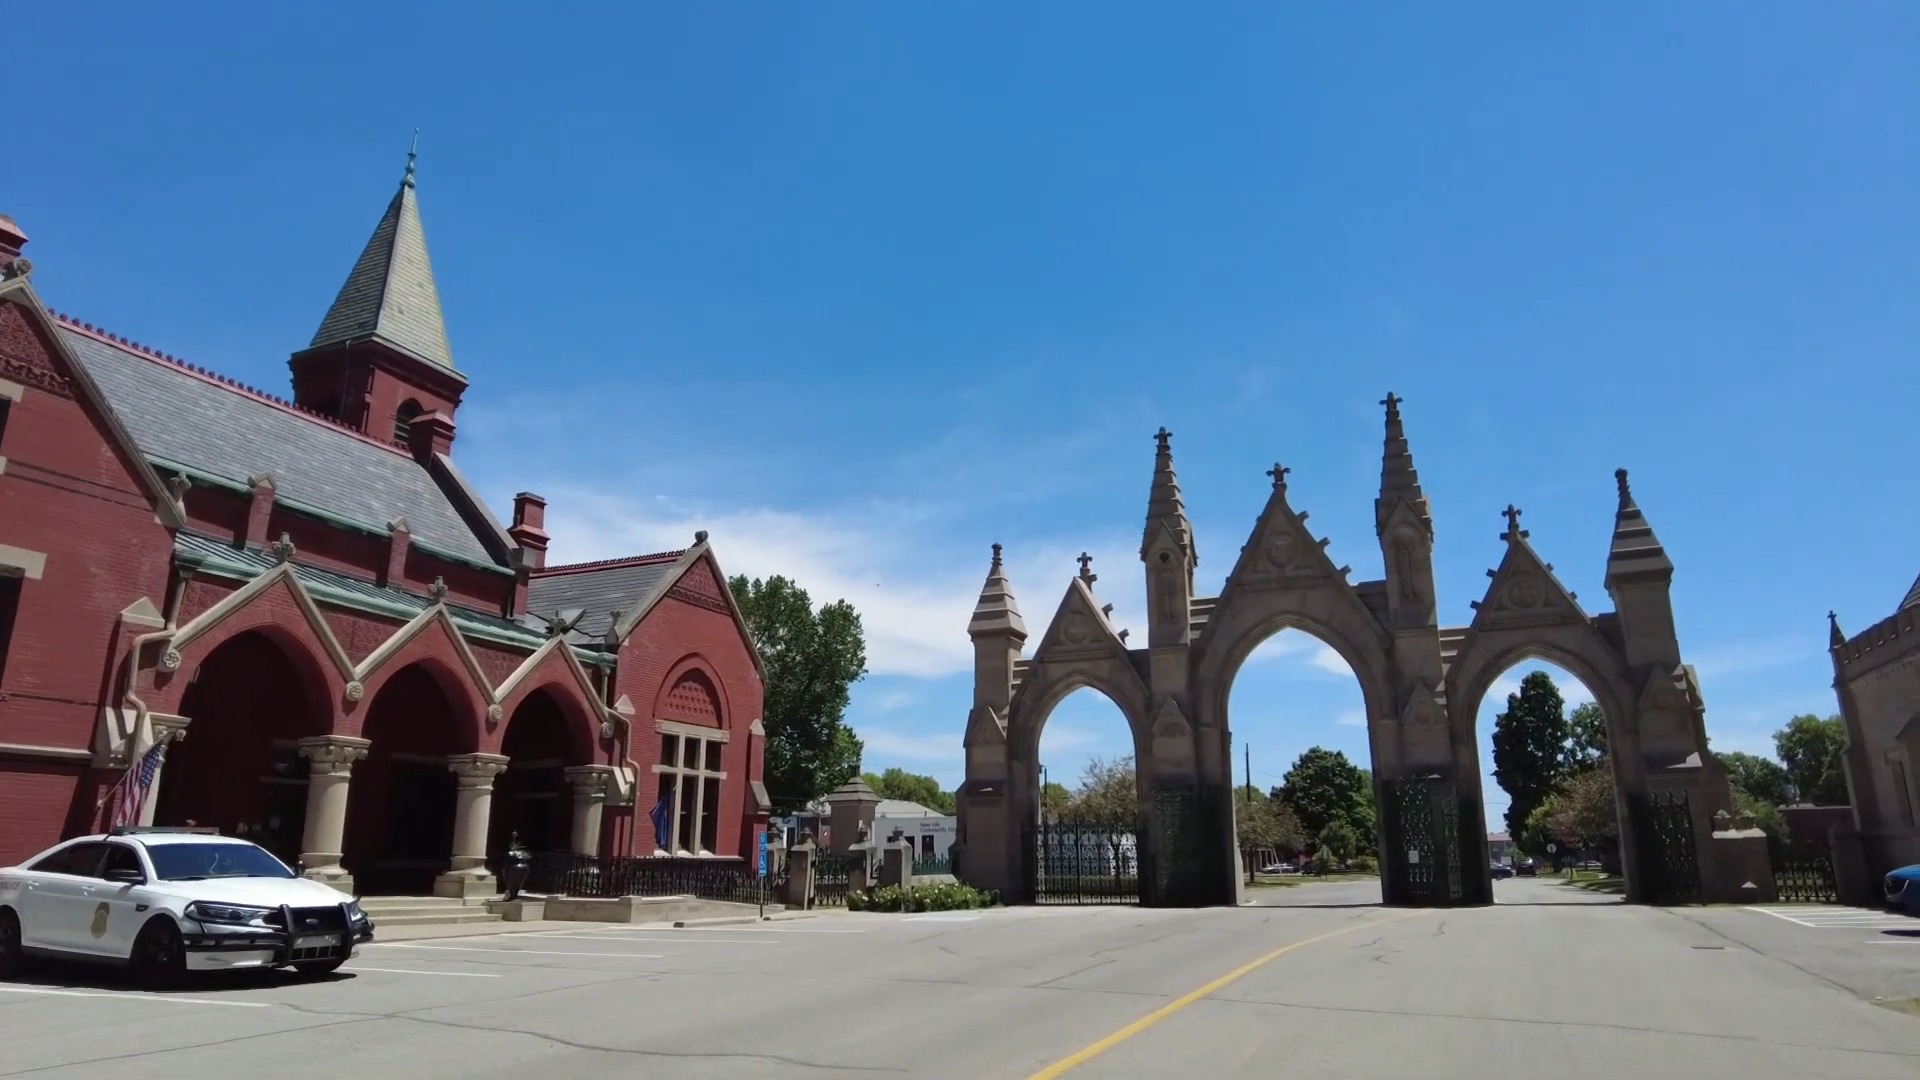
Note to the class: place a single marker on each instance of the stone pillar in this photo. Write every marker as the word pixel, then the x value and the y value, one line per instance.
pixel 330 761
pixel 590 784
pixel 851 807
pixel 896 866
pixel 799 894
pixel 468 878
pixel 166 729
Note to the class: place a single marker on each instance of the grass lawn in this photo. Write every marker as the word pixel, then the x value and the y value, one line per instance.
pixel 1288 881
pixel 1596 881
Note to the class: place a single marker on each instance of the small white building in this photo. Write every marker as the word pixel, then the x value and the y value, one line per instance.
pixel 932 832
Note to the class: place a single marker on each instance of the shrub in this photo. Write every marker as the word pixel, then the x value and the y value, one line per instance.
pixel 943 896
pixel 1364 864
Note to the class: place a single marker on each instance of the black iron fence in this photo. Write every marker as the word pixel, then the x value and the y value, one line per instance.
pixel 1077 865
pixel 834 876
pixel 933 864
pixel 1806 881
pixel 607 876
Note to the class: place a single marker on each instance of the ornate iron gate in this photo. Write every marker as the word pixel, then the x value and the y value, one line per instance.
pixel 833 878
pixel 1806 881
pixel 1667 857
pixel 1074 864
pixel 1180 846
pixel 1423 836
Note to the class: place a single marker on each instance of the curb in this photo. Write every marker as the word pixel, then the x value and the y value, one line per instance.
pixel 740 920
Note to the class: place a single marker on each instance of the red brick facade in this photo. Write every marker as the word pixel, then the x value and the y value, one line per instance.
pixel 152 594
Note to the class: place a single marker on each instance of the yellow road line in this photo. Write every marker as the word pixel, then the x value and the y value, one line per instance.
pixel 1081 1057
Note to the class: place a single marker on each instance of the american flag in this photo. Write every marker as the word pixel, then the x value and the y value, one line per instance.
pixel 130 794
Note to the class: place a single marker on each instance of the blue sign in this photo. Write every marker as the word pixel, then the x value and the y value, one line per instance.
pixel 763 852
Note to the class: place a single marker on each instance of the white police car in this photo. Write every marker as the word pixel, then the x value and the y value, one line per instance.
pixel 166 901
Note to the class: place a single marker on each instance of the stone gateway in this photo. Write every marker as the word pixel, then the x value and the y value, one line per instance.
pixel 1422 685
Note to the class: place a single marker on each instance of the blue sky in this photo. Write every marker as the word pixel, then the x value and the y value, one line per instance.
pixel 862 288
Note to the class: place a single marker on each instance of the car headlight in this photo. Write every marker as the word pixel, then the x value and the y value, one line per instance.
pixel 356 913
pixel 227 914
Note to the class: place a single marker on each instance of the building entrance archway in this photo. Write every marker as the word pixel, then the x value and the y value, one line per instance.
pixel 1421 683
pixel 532 799
pixel 237 767
pixel 401 810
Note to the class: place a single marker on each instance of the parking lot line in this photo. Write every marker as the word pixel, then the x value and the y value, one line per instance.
pixel 133 996
pixel 511 952
pixel 657 940
pixel 410 971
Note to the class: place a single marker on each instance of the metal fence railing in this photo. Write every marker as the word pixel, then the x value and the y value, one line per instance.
pixel 606 876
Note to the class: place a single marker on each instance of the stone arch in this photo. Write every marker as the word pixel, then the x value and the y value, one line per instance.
pixel 545 734
pixel 1224 648
pixel 1033 705
pixel 278 610
pixel 692 693
pixel 1599 666
pixel 400 815
pixel 248 699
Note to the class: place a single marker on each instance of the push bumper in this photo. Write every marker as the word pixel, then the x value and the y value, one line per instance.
pixel 216 947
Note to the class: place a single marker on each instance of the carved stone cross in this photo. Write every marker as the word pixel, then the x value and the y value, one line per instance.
pixel 1514 531
pixel 1279 473
pixel 1392 403
pixel 283 548
pixel 1164 439
pixel 1086 568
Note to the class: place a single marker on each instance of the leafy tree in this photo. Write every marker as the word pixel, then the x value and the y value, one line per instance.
pixel 1337 841
pixel 812 660
pixel 1108 799
pixel 1764 779
pixel 897 783
pixel 1054 798
pixel 1323 787
pixel 1812 749
pixel 1766 816
pixel 1262 823
pixel 1529 747
pixel 1581 814
pixel 1586 738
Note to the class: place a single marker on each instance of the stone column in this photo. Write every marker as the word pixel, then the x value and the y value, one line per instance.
pixel 468 878
pixel 166 729
pixel 330 761
pixel 590 784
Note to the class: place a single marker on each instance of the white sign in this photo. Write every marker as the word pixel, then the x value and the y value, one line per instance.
pixel 1413 856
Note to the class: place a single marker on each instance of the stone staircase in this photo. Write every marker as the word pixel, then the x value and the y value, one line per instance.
pixel 387 911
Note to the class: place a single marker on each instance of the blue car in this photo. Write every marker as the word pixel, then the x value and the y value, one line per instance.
pixel 1903 889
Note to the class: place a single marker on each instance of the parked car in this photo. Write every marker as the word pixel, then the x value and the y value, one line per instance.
pixel 1903 889
pixel 168 901
pixel 1526 868
pixel 1502 871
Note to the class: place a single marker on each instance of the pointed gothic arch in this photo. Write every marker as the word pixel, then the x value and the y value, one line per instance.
pixel 1421 684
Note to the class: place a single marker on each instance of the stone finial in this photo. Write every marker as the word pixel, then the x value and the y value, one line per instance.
pixel 1514 533
pixel 700 536
pixel 283 549
pixel 1393 406
pixel 1086 568
pixel 177 487
pixel 1625 489
pixel 1279 474
pixel 1835 637
pixel 1163 441
pixel 438 590
pixel 996 558
pixel 413 152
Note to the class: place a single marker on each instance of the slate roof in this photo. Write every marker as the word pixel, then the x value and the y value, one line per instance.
pixel 180 418
pixel 217 556
pixel 604 590
pixel 390 294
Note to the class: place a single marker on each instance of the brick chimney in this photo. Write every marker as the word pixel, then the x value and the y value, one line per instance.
pixel 529 528
pixel 12 240
pixel 430 433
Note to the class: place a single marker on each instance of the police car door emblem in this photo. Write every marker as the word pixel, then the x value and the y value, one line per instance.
pixel 99 928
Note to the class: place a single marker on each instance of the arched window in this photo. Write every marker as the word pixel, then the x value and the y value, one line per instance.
pixel 403 421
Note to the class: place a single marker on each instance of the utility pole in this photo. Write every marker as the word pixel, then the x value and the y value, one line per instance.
pixel 1248 750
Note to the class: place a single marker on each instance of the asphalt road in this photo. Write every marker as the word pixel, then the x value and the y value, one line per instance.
pixel 1313 981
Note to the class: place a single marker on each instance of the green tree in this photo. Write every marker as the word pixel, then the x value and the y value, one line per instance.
pixel 1108 798
pixel 1337 841
pixel 1529 747
pixel 1055 798
pixel 1581 814
pixel 1763 778
pixel 1812 750
pixel 812 660
pixel 898 783
pixel 1323 787
pixel 1262 823
pixel 1586 738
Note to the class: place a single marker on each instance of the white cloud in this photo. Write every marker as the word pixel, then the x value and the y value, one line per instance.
pixel 1351 718
pixel 885 744
pixel 1327 660
pixel 897 564
pixel 892 700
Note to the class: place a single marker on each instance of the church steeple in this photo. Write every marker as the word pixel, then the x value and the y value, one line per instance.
pixel 997 615
pixel 1165 506
pixel 1405 528
pixel 1167 549
pixel 380 361
pixel 1399 480
pixel 1636 552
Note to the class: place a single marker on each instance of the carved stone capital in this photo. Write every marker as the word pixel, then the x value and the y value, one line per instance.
pixel 332 755
pixel 476 770
pixel 590 783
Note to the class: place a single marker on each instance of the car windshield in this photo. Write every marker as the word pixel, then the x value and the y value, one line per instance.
pixel 198 862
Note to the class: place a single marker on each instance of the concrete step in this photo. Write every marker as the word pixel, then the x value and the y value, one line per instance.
pixel 388 903
pixel 396 912
pixel 458 917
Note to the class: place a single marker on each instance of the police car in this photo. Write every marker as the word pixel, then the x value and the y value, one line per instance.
pixel 168 901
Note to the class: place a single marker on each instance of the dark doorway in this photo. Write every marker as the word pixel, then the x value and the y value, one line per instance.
pixel 401 812
pixel 532 799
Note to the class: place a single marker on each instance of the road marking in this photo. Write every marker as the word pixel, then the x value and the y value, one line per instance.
pixel 1836 918
pixel 941 918
pixel 1086 1054
pixel 515 952
pixel 604 938
pixel 410 971
pixel 49 992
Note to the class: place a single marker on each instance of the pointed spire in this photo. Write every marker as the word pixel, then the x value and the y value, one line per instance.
pixel 1399 480
pixel 390 294
pixel 1912 599
pixel 1165 506
pixel 997 613
pixel 1835 639
pixel 1635 549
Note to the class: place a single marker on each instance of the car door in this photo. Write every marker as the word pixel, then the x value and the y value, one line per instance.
pixel 55 911
pixel 117 908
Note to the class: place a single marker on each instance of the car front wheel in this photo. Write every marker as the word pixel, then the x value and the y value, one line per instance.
pixel 12 953
pixel 159 955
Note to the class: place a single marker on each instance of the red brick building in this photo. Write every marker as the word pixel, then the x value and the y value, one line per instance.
pixel 356 663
